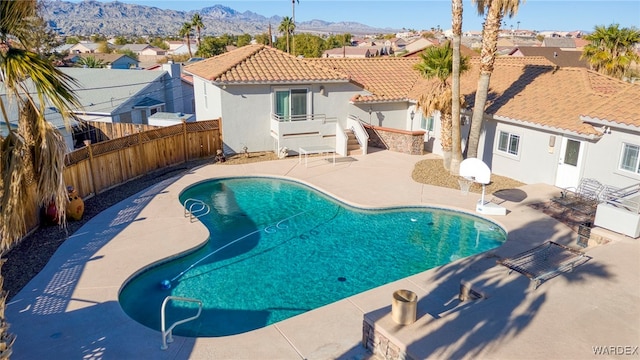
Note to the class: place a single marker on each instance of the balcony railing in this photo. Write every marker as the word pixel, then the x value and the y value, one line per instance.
pixel 304 117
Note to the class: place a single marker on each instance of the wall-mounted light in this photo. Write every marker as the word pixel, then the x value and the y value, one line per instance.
pixel 322 90
pixel 605 129
pixel 552 144
pixel 413 114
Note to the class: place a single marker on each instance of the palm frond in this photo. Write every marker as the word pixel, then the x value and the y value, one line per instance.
pixel 14 191
pixel 13 13
pixel 50 151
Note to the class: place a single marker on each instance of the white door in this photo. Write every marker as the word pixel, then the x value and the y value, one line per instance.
pixel 570 163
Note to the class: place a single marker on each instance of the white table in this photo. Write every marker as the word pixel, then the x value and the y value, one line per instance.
pixel 321 149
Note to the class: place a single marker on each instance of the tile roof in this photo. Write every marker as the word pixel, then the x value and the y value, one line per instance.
pixel 620 108
pixel 387 79
pixel 528 89
pixel 556 97
pixel 563 58
pixel 261 64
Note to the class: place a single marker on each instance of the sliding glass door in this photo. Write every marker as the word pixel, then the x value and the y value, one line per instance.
pixel 291 104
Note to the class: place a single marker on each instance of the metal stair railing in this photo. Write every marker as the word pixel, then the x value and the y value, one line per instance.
pixel 195 209
pixel 167 336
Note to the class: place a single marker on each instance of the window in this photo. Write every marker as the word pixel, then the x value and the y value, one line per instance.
pixel 630 158
pixel 508 143
pixel 291 104
pixel 426 124
pixel 206 103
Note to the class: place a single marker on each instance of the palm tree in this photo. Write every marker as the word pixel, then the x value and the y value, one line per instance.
pixel 90 62
pixel 286 27
pixel 31 155
pixel 496 10
pixel 611 50
pixel 196 21
pixel 185 32
pixel 456 141
pixel 436 62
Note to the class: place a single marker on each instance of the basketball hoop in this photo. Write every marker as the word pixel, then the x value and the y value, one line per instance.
pixel 465 184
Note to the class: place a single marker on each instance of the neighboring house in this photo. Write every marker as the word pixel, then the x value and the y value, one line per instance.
pixel 63 49
pixel 464 51
pixel 186 82
pixel 559 42
pixel 112 61
pixel 169 119
pixel 395 45
pixel 351 52
pixel 51 115
pixel 143 49
pixel 130 96
pixel 84 48
pixel 174 44
pixel 544 123
pixel 183 50
pixel 558 56
pixel 419 45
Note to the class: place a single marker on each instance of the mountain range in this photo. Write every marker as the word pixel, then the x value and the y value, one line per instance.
pixel 117 18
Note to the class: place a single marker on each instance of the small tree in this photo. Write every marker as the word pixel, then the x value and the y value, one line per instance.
pixel 197 23
pixel 611 50
pixel 286 27
pixel 185 32
pixel 90 62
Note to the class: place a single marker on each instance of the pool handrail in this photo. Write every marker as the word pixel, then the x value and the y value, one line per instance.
pixel 167 336
pixel 202 210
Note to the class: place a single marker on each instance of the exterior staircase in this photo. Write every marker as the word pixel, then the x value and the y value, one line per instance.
pixel 353 147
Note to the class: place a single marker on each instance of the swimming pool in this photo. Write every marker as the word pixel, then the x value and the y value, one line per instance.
pixel 279 248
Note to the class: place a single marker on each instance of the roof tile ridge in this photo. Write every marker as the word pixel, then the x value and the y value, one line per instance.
pixel 317 63
pixel 626 87
pixel 243 60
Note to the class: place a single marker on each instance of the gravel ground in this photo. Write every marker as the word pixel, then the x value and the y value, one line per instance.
pixel 29 256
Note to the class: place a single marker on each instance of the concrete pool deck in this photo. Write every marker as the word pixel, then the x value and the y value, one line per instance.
pixel 70 309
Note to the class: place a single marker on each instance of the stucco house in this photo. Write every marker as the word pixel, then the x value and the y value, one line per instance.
pixel 543 123
pixel 111 61
pixel 51 115
pixel 558 56
pixel 127 96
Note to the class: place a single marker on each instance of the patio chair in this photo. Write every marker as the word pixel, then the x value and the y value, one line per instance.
pixel 544 262
pixel 584 198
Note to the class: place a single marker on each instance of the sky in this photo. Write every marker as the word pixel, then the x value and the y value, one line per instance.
pixel 539 15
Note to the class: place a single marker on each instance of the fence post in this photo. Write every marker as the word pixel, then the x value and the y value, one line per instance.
pixel 142 154
pixel 219 139
pixel 184 133
pixel 87 143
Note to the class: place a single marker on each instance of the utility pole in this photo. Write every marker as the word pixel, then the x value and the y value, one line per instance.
pixel 293 19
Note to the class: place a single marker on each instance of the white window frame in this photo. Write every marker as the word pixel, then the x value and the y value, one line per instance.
pixel 428 123
pixel 623 150
pixel 274 100
pixel 510 137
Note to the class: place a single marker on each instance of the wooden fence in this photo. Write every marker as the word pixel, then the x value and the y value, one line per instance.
pixel 99 167
pixel 97 131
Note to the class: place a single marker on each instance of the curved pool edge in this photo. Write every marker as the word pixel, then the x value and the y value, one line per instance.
pixel 333 197
pixel 328 332
pixel 325 192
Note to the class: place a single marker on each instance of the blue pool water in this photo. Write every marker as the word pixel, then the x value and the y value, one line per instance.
pixel 278 248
